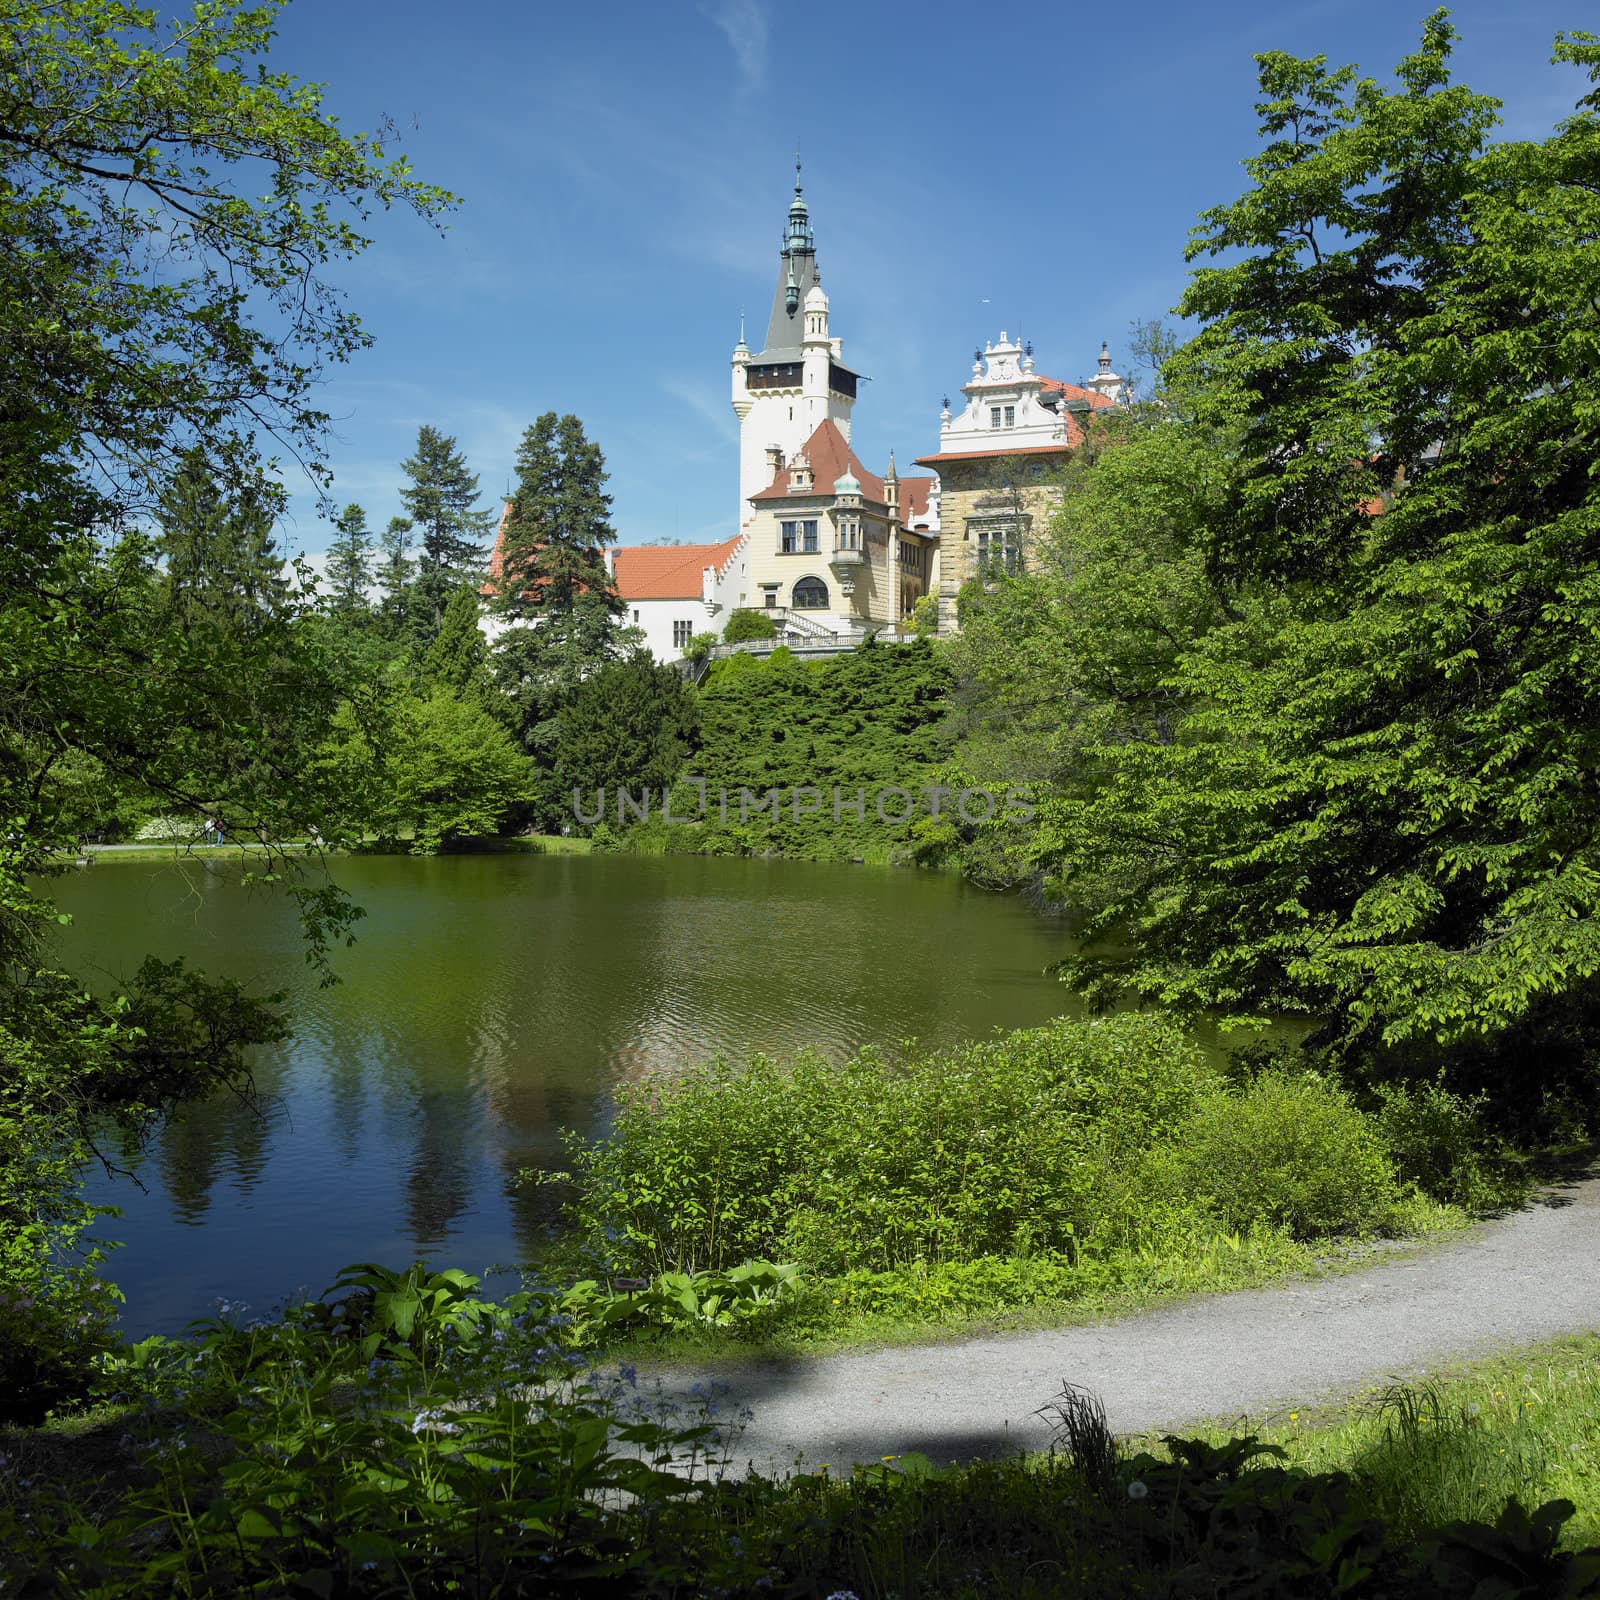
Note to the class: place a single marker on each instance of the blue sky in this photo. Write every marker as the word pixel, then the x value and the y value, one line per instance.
pixel 625 168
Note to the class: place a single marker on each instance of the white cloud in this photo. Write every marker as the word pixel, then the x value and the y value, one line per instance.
pixel 744 24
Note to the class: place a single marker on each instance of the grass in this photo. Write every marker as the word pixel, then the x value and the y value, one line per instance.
pixel 822 1321
pixel 1456 1441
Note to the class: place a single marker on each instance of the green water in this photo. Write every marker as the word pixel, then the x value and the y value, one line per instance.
pixel 490 1002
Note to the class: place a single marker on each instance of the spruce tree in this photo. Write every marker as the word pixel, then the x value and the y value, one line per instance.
pixel 350 562
pixel 553 586
pixel 222 564
pixel 395 574
pixel 443 504
pixel 458 658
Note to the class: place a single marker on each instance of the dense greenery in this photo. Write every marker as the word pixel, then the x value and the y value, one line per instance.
pixel 863 723
pixel 168 213
pixel 1327 746
pixel 1054 1164
pixel 404 1435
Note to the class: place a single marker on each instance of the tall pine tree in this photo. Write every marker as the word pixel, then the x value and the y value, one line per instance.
pixel 395 575
pixel 222 564
pixel 442 500
pixel 552 586
pixel 350 562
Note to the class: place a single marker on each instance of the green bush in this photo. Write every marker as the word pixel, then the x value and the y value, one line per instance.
pixel 1288 1150
pixel 995 1149
pixel 1438 1140
pixel 745 624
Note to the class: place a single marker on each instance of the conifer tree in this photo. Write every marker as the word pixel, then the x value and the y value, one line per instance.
pixel 442 500
pixel 395 574
pixel 222 563
pixel 553 585
pixel 458 658
pixel 350 562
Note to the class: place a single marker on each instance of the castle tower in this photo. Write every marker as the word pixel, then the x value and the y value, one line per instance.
pixel 797 380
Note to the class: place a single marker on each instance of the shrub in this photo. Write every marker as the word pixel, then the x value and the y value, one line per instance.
pixel 746 624
pixel 995 1149
pixel 162 830
pixel 1438 1140
pixel 1288 1150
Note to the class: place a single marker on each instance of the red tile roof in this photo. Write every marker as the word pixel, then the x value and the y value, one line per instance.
pixel 829 455
pixel 642 572
pixel 667 572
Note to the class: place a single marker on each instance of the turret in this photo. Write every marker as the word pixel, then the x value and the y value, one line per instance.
pixel 741 362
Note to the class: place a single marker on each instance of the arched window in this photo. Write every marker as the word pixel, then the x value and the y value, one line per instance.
pixel 811 594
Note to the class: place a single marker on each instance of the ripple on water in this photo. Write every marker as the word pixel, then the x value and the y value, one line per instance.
pixel 490 1002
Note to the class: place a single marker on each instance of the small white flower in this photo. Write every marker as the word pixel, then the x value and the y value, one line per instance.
pixel 1138 1490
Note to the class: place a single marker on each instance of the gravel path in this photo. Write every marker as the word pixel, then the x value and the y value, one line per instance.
pixel 1529 1277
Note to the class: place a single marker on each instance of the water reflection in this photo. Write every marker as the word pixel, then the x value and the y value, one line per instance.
pixel 489 1003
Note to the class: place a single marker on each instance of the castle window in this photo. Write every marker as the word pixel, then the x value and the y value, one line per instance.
pixel 999 549
pixel 1011 416
pixel 680 635
pixel 798 538
pixel 811 594
pixel 994 416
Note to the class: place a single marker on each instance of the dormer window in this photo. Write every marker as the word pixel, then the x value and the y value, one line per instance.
pixel 994 416
pixel 1002 416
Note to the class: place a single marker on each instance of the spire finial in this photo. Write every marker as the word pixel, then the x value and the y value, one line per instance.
pixel 741 324
pixel 797 172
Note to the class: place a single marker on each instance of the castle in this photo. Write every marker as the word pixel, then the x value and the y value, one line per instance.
pixel 829 549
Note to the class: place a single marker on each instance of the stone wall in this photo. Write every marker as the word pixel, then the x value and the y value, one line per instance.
pixel 993 493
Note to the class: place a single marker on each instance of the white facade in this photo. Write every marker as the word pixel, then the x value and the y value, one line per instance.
pixel 798 379
pixel 672 592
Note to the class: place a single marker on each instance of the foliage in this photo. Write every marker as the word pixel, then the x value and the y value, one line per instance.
pixel 550 580
pixel 172 829
pixel 277 1457
pixel 221 565
pixel 433 767
pixel 629 725
pixel 1290 1151
pixel 396 574
pixel 441 500
pixel 864 723
pixel 458 658
pixel 925 616
pixel 1348 775
pixel 745 623
pixel 350 569
pixel 1441 1142
pixel 990 1150
pixel 171 209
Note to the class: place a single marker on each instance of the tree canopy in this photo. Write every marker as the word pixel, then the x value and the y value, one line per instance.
pixel 1331 748
pixel 169 206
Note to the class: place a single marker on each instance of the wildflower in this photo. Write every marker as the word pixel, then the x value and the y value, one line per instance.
pixel 1294 1416
pixel 1138 1490
pixel 844 1594
pixel 1474 1409
pixel 629 1375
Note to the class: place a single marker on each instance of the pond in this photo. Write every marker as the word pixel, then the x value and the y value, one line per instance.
pixel 490 1002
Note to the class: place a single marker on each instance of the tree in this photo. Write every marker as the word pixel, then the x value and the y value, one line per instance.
pixel 350 566
pixel 220 559
pixel 437 769
pixel 458 658
pixel 442 499
pixel 1371 799
pixel 552 588
pixel 169 209
pixel 743 624
pixel 629 726
pixel 396 575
